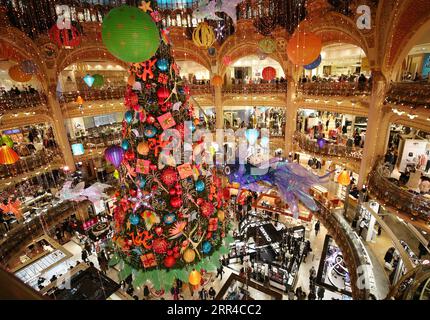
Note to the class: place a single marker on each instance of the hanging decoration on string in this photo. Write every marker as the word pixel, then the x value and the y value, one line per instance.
pixel 89 80
pixel 130 34
pixel 8 155
pixel 18 75
pixel 219 31
pixel 269 73
pixel 203 35
pixel 267 45
pixel 207 9
pixel 314 64
pixel 98 80
pixel 304 47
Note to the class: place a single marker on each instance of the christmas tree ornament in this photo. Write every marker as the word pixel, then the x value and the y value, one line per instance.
pixel 114 155
pixel 163 65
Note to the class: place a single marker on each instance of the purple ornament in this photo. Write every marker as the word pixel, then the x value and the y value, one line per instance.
pixel 321 143
pixel 114 155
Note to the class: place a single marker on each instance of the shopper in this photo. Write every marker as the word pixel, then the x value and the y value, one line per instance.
pixel 84 255
pixel 321 292
pixel 203 294
pixel 220 271
pixel 312 274
pixel 317 228
pixel 175 292
pixel 312 295
pixel 291 295
pixel 361 227
pixel 146 292
pixel 212 293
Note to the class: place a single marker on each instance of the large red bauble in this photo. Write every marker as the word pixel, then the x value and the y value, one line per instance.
pixel 169 176
pixel 176 202
pixel 159 246
pixel 269 73
pixel 207 208
pixel 169 261
pixel 129 155
pixel 162 94
pixel 172 192
pixel 150 119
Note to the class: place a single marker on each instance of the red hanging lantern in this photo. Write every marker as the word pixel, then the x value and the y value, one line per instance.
pixel 65 37
pixel 269 73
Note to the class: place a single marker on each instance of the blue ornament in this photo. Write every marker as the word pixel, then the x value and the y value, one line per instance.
pixel 181 90
pixel 134 219
pixel 212 51
pixel 169 218
pixel 142 182
pixel 264 141
pixel 200 186
pixel 128 117
pixel 314 64
pixel 150 131
pixel 89 80
pixel 125 144
pixel 162 64
pixel 206 247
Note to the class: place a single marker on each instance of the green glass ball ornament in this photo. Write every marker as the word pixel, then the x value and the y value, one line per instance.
pixel 130 34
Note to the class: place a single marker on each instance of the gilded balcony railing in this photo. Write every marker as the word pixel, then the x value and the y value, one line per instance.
pixel 341 89
pixel 15 102
pixel 403 200
pixel 31 163
pixel 261 88
pixel 91 95
pixel 328 149
pixel 410 94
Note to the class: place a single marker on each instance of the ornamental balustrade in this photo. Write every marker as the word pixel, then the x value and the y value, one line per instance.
pixel 388 190
pixel 341 89
pixel 328 149
pixel 14 102
pixel 415 95
pixel 261 88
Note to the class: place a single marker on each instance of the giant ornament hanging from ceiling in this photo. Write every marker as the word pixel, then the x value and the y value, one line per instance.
pixel 130 34
pixel 303 47
pixel 269 73
pixel 65 37
pixel 267 45
pixel 203 35
pixel 314 64
pixel 18 75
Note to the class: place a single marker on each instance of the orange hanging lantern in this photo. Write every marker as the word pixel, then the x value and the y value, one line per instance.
pixel 269 73
pixel 217 81
pixel 195 278
pixel 344 178
pixel 303 47
pixel 79 100
pixel 18 75
pixel 8 155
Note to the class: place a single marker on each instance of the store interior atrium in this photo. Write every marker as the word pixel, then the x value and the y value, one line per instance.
pixel 215 150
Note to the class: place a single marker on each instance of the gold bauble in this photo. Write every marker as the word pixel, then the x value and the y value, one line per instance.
pixel 189 255
pixel 143 148
pixel 221 215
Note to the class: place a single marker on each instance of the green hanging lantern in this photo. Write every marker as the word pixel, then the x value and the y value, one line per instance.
pixel 98 80
pixel 130 34
pixel 7 141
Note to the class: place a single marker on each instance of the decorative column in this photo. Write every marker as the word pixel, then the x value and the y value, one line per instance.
pixel 219 110
pixel 291 116
pixel 60 130
pixel 375 130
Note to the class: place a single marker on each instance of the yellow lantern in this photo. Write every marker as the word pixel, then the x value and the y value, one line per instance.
pixel 195 277
pixel 203 35
pixel 344 178
pixel 79 100
pixel 143 148
pixel 189 255
pixel 221 215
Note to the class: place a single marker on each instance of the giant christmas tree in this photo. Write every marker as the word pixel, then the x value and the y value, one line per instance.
pixel 169 217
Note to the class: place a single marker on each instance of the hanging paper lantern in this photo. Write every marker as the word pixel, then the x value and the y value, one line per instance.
pixel 8 155
pixel 169 176
pixel 89 80
pixel 267 45
pixel 65 37
pixel 226 60
pixel 79 100
pixel 163 64
pixel 200 186
pixel 125 144
pixel 128 117
pixel 206 247
pixel 169 261
pixel 143 148
pixel 303 47
pixel 28 66
pixel 150 131
pixel 194 278
pixel 344 178
pixel 321 142
pixel 314 64
pixel 98 80
pixel 134 219
pixel 18 75
pixel 114 155
pixel 217 81
pixel 7 141
pixel 269 73
pixel 203 35
pixel 189 255
pixel 130 34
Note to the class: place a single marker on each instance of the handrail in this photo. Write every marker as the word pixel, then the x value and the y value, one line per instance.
pixel 257 88
pixel 412 94
pixel 403 200
pixel 342 89
pixel 335 150
pixel 12 102
pixel 11 288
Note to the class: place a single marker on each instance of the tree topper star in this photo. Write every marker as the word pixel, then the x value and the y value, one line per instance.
pixel 145 6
